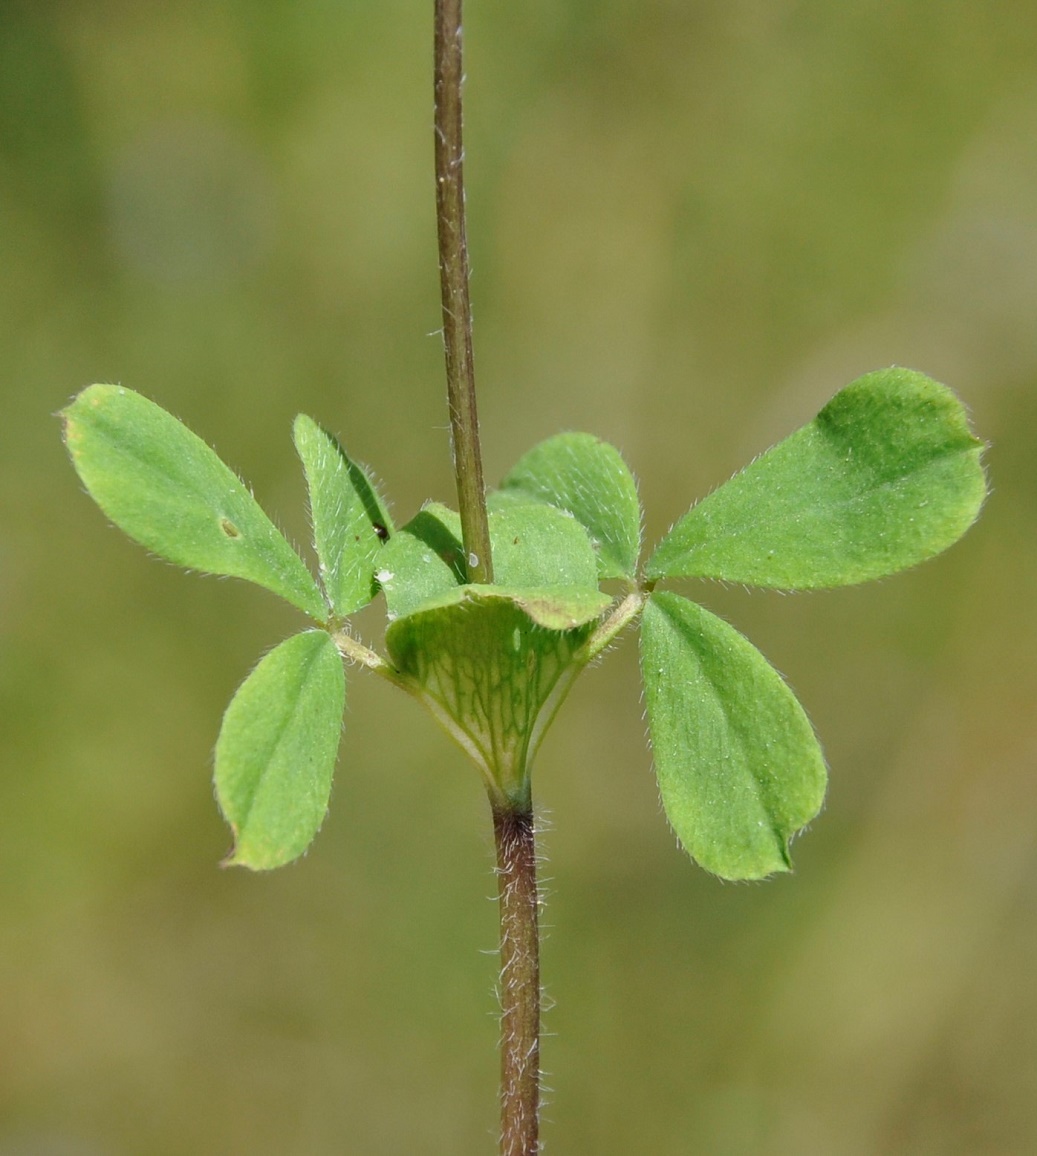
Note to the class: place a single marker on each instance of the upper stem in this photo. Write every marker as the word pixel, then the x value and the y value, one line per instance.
pixel 453 281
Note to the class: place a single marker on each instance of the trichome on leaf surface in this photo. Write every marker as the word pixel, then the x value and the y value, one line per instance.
pixel 887 475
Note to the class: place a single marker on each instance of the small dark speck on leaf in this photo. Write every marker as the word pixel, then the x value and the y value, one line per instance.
pixel 380 530
pixel 228 527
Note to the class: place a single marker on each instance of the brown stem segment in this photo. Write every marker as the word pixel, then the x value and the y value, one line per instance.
pixel 453 282
pixel 519 982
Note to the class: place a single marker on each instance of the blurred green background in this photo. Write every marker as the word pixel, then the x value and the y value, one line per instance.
pixel 691 222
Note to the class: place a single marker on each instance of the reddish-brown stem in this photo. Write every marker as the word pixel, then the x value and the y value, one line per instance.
pixel 512 823
pixel 519 980
pixel 453 282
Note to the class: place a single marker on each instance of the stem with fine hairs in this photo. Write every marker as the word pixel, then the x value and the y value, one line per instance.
pixel 513 830
pixel 453 284
pixel 512 820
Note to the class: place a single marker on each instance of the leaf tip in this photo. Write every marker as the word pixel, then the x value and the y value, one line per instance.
pixel 754 869
pixel 302 427
pixel 235 857
pixel 258 855
pixel 231 859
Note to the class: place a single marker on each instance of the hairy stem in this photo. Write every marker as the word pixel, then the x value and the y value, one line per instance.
pixel 512 826
pixel 453 281
pixel 519 980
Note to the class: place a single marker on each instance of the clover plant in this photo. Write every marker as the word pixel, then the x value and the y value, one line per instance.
pixel 493 611
pixel 885 476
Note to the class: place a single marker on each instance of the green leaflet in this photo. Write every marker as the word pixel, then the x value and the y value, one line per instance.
pixel 739 768
pixel 488 673
pixel 275 756
pixel 539 546
pixel 350 523
pixel 588 477
pixel 887 475
pixel 168 490
pixel 542 559
pixel 423 561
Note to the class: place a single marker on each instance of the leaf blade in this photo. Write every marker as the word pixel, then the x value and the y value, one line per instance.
pixel 542 560
pixel 350 522
pixel 423 561
pixel 275 755
pixel 537 546
pixel 165 488
pixel 886 476
pixel 739 768
pixel 587 477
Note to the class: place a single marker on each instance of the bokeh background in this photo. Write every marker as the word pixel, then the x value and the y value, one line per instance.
pixel 691 222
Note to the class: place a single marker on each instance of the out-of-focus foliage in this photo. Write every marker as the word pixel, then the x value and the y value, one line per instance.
pixel 690 223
